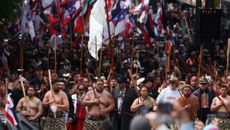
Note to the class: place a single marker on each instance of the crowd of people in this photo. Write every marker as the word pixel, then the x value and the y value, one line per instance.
pixel 146 88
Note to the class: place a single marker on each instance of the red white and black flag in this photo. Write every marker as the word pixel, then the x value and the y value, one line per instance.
pixel 9 112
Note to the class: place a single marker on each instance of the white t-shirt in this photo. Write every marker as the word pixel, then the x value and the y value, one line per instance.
pixel 167 95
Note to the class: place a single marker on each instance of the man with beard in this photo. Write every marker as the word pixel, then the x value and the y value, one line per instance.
pixel 99 104
pixel 57 103
pixel 221 105
pixel 187 104
pixel 194 83
pixel 205 96
pixel 30 107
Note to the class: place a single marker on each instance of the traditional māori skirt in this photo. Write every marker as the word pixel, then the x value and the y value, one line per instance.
pixel 55 123
pixel 224 123
pixel 92 123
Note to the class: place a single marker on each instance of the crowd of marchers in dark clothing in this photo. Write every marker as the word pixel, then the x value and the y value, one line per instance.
pixel 148 64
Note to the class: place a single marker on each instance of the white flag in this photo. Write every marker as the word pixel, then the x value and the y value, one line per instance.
pixel 96 25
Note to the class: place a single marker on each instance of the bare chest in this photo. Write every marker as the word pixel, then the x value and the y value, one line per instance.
pixel 56 98
pixel 32 104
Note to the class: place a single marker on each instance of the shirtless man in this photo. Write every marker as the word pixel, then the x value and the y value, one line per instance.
pixel 98 105
pixel 187 105
pixel 221 105
pixel 57 103
pixel 30 106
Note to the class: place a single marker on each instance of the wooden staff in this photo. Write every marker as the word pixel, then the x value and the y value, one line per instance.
pixel 55 54
pixel 168 53
pixel 100 62
pixel 82 43
pixel 200 63
pixel 82 49
pixel 48 55
pixel 110 39
pixel 132 54
pixel 21 53
pixel 22 85
pixel 7 83
pixel 228 49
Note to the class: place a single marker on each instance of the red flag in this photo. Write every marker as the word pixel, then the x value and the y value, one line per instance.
pixel 9 112
pixel 79 24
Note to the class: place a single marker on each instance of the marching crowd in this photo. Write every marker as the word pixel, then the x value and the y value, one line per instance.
pixel 147 88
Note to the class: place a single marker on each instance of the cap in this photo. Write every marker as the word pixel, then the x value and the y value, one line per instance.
pixel 123 80
pixel 202 81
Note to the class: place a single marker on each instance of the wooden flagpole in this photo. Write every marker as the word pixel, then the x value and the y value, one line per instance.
pixel 82 44
pixel 100 62
pixel 55 54
pixel 21 54
pixel 228 49
pixel 110 39
pixel 168 53
pixel 48 55
pixel 199 65
pixel 82 50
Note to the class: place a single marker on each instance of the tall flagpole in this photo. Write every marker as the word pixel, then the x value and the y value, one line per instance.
pixel 21 54
pixel 199 65
pixel 110 40
pixel 228 49
pixel 82 43
pixel 55 54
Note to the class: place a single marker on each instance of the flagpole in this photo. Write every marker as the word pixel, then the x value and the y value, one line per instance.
pixel 48 55
pixel 110 40
pixel 228 49
pixel 82 44
pixel 21 53
pixel 200 63
pixel 82 49
pixel 55 54
pixel 100 62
